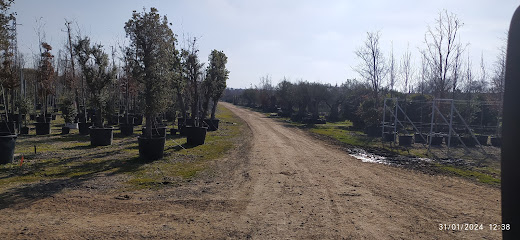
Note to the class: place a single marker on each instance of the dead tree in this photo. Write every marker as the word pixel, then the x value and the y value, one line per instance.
pixel 442 50
pixel 372 67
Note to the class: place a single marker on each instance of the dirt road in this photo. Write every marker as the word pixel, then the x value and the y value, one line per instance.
pixel 302 188
pixel 279 184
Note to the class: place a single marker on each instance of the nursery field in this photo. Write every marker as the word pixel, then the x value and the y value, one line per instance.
pixel 255 178
pixel 477 164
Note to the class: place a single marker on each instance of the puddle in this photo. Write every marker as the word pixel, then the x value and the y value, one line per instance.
pixel 365 156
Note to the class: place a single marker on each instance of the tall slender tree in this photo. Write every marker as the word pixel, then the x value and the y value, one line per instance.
pixel 372 68
pixel 152 44
pixel 216 76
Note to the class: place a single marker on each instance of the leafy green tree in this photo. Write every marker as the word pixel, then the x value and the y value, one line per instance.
pixel 216 77
pixel 285 94
pixel 94 64
pixel 152 44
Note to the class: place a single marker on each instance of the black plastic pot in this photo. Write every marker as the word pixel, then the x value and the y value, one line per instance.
pixel 24 130
pixel 65 130
pixel 156 131
pixel 469 141
pixel 113 120
pixel 151 148
pixel 436 140
pixel 373 131
pixel 127 129
pixel 7 145
pixel 212 124
pixel 420 138
pixel 101 136
pixel 43 128
pixel 496 141
pixel 454 142
pixel 483 139
pixel 195 135
pixel 405 140
pixel 84 128
pixel 388 137
pixel 42 119
pixel 122 120
pixel 8 127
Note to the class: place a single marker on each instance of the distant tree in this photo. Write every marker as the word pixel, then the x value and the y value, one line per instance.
pixel 372 68
pixel 285 96
pixel 334 97
pixel 46 76
pixel 392 71
pixel 152 43
pixel 456 71
pixel 406 70
pixel 216 77
pixel 499 73
pixel 443 48
pixel 94 65
pixel 265 95
pixel 301 97
pixel 249 95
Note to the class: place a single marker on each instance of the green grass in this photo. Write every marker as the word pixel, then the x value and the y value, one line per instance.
pixel 470 174
pixel 71 156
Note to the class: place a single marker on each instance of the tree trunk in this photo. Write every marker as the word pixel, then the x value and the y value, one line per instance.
pixel 148 132
pixel 99 119
pixel 205 106
pixel 214 109
pixel 180 101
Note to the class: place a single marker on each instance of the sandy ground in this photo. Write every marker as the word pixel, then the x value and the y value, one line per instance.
pixel 279 183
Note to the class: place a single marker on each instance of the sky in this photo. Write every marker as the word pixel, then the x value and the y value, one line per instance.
pixel 293 39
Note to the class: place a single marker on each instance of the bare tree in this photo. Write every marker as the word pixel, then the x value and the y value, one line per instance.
pixel 499 72
pixel 392 71
pixel 425 74
pixel 482 85
pixel 456 71
pixel 442 49
pixel 469 78
pixel 406 69
pixel 372 67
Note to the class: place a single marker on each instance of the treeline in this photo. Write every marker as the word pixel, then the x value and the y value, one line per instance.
pixel 353 100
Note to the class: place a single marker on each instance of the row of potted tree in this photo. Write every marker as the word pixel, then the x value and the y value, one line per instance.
pixel 155 75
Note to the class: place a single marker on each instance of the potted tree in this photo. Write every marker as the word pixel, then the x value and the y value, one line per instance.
pixel 46 80
pixel 151 52
pixel 126 124
pixel 215 84
pixel 98 76
pixel 195 134
pixel 24 106
pixel 69 113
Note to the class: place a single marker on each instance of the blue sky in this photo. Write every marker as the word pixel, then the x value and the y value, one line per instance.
pixel 300 40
